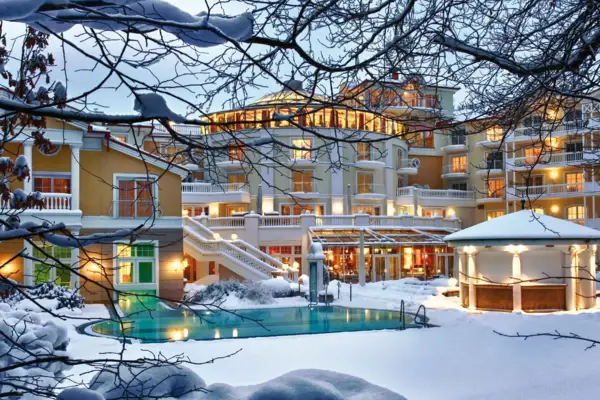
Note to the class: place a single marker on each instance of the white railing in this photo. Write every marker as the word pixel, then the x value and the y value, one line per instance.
pixel 536 191
pixel 544 129
pixel 279 220
pixel 304 187
pixel 226 222
pixel 57 201
pixel 237 249
pixel 456 140
pixel 408 163
pixel 370 188
pixel 549 159
pixel 206 187
pixel 436 193
pixel 492 135
pixel 372 155
pixel 454 169
pixel 335 220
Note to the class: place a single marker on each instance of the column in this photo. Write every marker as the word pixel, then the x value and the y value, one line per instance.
pixel 571 278
pixel 28 265
pixel 28 153
pixel 390 178
pixel 516 274
pixel 337 182
pixel 75 281
pixel 75 177
pixel 361 259
pixel 591 272
pixel 472 268
pixel 266 173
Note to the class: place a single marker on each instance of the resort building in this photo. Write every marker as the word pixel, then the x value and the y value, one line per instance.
pixel 95 184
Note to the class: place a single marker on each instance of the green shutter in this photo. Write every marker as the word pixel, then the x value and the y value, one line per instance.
pixel 145 272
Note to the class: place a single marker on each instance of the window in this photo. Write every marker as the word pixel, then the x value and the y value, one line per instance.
pixel 572 115
pixel 366 209
pixel 298 209
pixel 420 139
pixel 494 214
pixel 364 182
pixel 533 180
pixel 574 181
pixel 533 121
pixel 538 210
pixel 135 263
pixel 191 211
pixel 46 269
pixel 432 212
pixel 574 151
pixel 496 188
pixel 135 198
pixel 176 154
pixel 236 179
pixel 241 208
pixel 302 181
pixel 494 160
pixel 458 137
pixel 494 133
pixel 52 184
pixel 235 152
pixel 533 155
pixel 575 213
pixel 364 152
pixel 120 138
pixel 288 254
pixel 459 186
pixel 459 164
pixel 298 154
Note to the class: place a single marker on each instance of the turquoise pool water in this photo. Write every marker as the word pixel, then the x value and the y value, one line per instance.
pixel 175 324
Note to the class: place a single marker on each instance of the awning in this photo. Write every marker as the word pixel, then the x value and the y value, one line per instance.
pixel 387 237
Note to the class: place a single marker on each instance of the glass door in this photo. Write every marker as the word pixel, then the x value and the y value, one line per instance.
pixel 379 267
pixel 394 267
pixel 444 264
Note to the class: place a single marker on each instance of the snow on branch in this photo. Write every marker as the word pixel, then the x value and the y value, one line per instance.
pixel 201 30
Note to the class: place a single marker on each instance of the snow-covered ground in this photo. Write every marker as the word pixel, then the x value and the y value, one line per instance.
pixel 462 359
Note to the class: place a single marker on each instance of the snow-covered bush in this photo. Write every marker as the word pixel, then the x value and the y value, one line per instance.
pixel 150 381
pixel 64 297
pixel 277 287
pixel 24 338
pixel 182 383
pixel 219 291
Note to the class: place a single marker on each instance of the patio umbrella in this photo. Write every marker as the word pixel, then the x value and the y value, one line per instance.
pixel 348 200
pixel 259 200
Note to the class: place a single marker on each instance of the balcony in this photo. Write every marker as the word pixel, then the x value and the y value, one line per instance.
pixel 557 129
pixel 490 139
pixel 434 197
pixel 455 171
pixel 304 190
pixel 494 196
pixel 495 167
pixel 369 160
pixel 369 191
pixel 455 143
pixel 408 166
pixel 55 207
pixel 549 160
pixel 555 190
pixel 206 192
pixel 230 164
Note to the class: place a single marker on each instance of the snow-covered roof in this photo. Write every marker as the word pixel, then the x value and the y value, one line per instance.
pixel 525 227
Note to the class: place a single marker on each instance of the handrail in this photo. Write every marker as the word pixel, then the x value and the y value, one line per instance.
pixel 424 315
pixel 402 315
pixel 238 243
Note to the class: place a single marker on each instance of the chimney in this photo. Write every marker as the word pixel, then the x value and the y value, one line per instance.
pixel 395 75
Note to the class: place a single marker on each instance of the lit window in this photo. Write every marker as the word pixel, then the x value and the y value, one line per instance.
pixel 575 213
pixel 46 269
pixel 297 153
pixel 120 138
pixel 574 181
pixel 364 182
pixel 364 152
pixel 459 164
pixel 235 152
pixel 496 188
pixel 135 198
pixel 51 184
pixel 135 263
pixel 494 214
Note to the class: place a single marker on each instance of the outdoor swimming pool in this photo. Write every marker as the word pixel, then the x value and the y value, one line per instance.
pixel 177 324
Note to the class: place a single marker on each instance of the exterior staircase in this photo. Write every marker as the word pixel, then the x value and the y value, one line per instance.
pixel 237 255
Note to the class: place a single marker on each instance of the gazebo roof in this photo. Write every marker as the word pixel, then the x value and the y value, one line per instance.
pixel 525 227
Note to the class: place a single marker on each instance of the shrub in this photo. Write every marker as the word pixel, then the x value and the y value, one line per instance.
pixel 65 297
pixel 219 291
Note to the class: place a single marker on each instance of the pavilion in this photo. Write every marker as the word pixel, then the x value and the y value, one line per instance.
pixel 526 261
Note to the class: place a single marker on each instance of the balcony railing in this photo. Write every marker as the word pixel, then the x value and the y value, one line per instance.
pixel 371 155
pixel 305 187
pixel 450 194
pixel 57 201
pixel 551 127
pixel 206 187
pixel 454 169
pixel 286 220
pixel 456 140
pixel 488 165
pixel 544 190
pixel 367 188
pixel 549 159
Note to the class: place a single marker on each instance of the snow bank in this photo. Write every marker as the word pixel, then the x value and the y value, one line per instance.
pixel 182 383
pixel 47 296
pixel 24 337
pixel 218 292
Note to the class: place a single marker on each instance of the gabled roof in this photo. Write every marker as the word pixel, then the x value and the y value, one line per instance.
pixel 145 156
pixel 525 227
